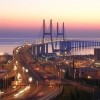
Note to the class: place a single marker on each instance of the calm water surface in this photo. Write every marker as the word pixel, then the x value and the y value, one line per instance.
pixel 7 45
pixel 81 51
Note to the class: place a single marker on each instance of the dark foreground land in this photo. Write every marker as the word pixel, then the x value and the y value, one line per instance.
pixel 73 93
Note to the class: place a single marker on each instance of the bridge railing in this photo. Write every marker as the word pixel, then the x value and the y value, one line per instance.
pixel 48 40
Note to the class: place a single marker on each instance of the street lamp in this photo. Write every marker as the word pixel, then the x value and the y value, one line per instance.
pixel 23 69
pixel 16 62
pixel 15 68
pixel 67 62
pixel 88 76
pixel 37 82
pixel 26 70
pixel 1 93
pixel 65 54
pixel 68 68
pixel 5 82
pixel 30 79
pixel 19 77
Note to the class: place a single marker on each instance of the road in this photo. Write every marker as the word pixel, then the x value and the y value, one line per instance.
pixel 34 84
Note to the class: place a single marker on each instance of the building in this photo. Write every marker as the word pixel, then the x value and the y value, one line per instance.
pixel 88 72
pixel 5 57
pixel 97 56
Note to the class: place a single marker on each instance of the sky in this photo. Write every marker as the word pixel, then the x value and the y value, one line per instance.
pixel 23 18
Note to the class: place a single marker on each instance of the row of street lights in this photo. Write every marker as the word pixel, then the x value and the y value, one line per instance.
pixel 19 76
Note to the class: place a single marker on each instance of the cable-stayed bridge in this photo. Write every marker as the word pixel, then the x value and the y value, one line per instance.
pixel 58 44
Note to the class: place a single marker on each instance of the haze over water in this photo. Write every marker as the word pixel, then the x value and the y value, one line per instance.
pixel 22 19
pixel 8 44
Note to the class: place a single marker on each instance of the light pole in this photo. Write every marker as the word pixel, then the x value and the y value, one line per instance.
pixel 74 70
pixel 5 82
pixel 0 93
pixel 68 68
pixel 55 68
pixel 15 68
pixel 92 93
pixel 58 76
pixel 65 55
pixel 37 82
pixel 74 73
pixel 79 74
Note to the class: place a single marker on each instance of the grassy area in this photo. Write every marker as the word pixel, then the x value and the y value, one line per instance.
pixel 73 93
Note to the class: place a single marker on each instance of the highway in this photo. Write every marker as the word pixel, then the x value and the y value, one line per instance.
pixel 34 84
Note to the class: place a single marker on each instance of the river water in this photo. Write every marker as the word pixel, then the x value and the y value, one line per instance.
pixel 81 51
pixel 7 45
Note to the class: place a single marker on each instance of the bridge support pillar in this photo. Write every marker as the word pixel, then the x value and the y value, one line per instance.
pixel 46 48
pixel 43 49
pixel 68 46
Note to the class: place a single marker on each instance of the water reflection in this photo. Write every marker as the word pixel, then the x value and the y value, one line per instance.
pixel 74 51
pixel 83 51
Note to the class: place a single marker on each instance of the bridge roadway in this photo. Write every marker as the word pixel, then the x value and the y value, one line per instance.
pixel 38 89
pixel 60 46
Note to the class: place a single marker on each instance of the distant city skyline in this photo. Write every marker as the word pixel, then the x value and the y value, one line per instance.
pixel 23 18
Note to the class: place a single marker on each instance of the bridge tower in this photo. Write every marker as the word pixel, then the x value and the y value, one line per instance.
pixel 62 33
pixel 47 34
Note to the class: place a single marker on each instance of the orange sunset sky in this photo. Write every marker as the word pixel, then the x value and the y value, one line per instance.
pixel 28 14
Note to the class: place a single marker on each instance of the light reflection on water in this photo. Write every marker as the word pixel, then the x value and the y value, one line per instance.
pixel 83 51
pixel 8 44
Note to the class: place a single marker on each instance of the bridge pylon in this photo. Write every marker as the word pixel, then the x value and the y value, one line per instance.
pixel 60 33
pixel 47 33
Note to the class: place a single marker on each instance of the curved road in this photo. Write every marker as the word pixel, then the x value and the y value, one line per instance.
pixel 39 87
